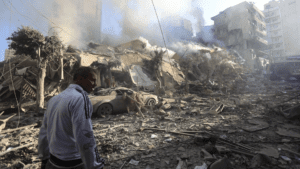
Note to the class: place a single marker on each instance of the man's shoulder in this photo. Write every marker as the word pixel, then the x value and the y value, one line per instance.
pixel 68 94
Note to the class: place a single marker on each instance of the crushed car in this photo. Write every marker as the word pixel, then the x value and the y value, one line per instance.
pixel 111 100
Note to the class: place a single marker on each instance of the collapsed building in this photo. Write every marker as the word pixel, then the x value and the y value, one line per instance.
pixel 242 28
pixel 130 64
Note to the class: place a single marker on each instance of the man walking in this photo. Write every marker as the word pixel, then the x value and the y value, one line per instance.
pixel 66 137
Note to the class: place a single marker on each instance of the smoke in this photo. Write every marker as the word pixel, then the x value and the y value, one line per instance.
pixel 185 49
pixel 139 19
pixel 197 13
pixel 79 19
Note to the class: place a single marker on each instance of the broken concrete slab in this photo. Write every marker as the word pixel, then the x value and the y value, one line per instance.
pixel 139 78
pixel 269 151
pixel 259 125
pixel 288 133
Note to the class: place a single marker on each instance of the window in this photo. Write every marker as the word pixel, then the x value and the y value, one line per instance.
pixel 268 6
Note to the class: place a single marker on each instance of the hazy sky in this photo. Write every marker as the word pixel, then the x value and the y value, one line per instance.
pixel 10 20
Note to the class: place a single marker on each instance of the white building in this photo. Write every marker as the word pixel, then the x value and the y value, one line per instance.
pixel 9 53
pixel 283 27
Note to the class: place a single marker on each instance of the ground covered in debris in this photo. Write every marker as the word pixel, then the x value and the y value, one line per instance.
pixel 257 128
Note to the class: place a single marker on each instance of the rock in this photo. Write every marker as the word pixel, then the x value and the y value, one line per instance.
pixel 181 149
pixel 289 133
pixel 269 151
pixel 166 106
pixel 151 146
pixel 184 156
pixel 221 164
pixel 160 112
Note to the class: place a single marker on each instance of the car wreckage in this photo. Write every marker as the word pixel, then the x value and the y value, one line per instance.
pixel 111 100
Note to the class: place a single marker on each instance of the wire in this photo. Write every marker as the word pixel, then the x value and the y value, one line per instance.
pixel 12 82
pixel 38 27
pixel 162 34
pixel 10 65
pixel 23 16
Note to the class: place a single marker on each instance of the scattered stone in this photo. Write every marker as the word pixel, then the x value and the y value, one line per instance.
pixel 181 149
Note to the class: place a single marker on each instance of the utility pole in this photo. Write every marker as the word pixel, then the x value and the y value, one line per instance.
pixel 61 64
pixel 42 64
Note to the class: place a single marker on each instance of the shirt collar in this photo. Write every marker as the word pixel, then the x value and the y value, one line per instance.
pixel 78 87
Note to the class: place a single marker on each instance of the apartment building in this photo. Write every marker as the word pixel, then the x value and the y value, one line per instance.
pixel 283 27
pixel 242 28
pixel 177 28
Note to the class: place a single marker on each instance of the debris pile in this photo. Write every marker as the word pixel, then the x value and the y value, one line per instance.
pixel 211 112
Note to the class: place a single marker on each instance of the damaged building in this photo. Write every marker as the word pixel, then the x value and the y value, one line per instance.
pixel 283 28
pixel 177 29
pixel 242 28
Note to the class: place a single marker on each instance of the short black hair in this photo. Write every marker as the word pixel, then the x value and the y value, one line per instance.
pixel 84 72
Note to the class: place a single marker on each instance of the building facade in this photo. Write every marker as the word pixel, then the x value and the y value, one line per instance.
pixel 177 28
pixel 9 53
pixel 275 38
pixel 283 27
pixel 242 28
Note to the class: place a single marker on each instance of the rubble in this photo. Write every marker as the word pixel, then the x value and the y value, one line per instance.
pixel 210 114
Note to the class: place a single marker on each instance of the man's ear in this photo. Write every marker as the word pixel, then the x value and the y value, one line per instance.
pixel 79 78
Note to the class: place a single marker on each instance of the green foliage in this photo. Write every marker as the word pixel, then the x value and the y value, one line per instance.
pixel 52 47
pixel 26 40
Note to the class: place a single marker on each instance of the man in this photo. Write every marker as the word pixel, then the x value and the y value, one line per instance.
pixel 66 137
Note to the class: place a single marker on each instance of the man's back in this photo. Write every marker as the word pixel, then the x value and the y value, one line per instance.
pixel 59 129
pixel 66 133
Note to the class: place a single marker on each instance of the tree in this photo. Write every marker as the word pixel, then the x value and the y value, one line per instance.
pixel 30 42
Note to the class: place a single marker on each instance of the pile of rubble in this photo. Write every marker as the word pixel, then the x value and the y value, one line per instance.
pixel 213 112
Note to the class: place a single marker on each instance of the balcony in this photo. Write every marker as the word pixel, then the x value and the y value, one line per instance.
pixel 260 53
pixel 257 10
pixel 262 33
pixel 259 21
pixel 259 39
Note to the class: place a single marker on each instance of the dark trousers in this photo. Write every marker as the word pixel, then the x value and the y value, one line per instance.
pixel 51 165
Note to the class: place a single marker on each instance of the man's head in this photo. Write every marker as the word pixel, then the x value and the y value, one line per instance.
pixel 86 78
